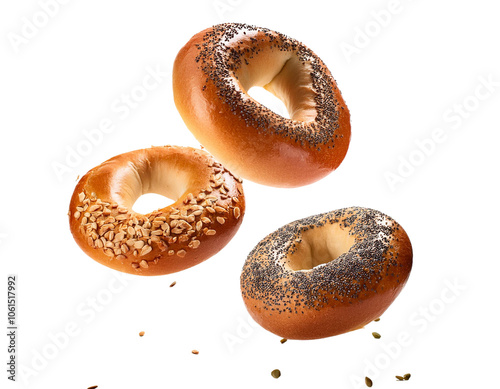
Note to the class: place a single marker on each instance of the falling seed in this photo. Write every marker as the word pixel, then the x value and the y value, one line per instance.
pixel 377 319
pixel 195 352
pixel 173 283
pixel 368 382
pixel 376 335
pixel 407 376
pixel 276 373
pixel 141 333
pixel 399 378
pixel 283 340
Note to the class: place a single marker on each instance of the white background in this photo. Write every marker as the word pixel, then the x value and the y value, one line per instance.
pixel 405 68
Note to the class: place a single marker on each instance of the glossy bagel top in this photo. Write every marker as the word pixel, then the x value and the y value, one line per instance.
pixel 208 210
pixel 326 274
pixel 212 75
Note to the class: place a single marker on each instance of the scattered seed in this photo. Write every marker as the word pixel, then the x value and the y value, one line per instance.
pixel 368 382
pixel 92 387
pixel 194 244
pixel 141 333
pixel 110 235
pixel 195 352
pixel 146 250
pixel 377 319
pixel 183 238
pixel 407 376
pixel 276 373
pixel 376 335
pixel 173 284
pixel 283 340
pixel 119 237
pixel 220 209
pixel 399 378
pixel 93 208
pixel 139 244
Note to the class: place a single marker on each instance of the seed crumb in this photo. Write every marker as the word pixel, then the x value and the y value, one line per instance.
pixel 92 387
pixel 276 373
pixel 173 283
pixel 368 382
pixel 407 376
pixel 377 319
pixel 195 352
pixel 376 335
pixel 141 333
pixel 399 378
pixel 283 340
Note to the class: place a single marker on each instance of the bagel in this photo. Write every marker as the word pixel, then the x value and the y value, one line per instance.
pixel 212 75
pixel 208 210
pixel 326 274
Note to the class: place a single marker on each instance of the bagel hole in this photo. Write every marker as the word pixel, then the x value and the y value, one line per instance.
pixel 319 246
pixel 149 202
pixel 269 100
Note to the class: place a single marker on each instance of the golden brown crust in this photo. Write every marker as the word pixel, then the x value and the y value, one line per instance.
pixel 211 75
pixel 338 296
pixel 206 215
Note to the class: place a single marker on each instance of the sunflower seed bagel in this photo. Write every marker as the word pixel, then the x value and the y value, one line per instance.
pixel 208 210
pixel 326 274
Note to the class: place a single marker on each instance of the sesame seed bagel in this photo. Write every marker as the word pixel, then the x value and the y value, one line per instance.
pixel 212 75
pixel 326 274
pixel 208 210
